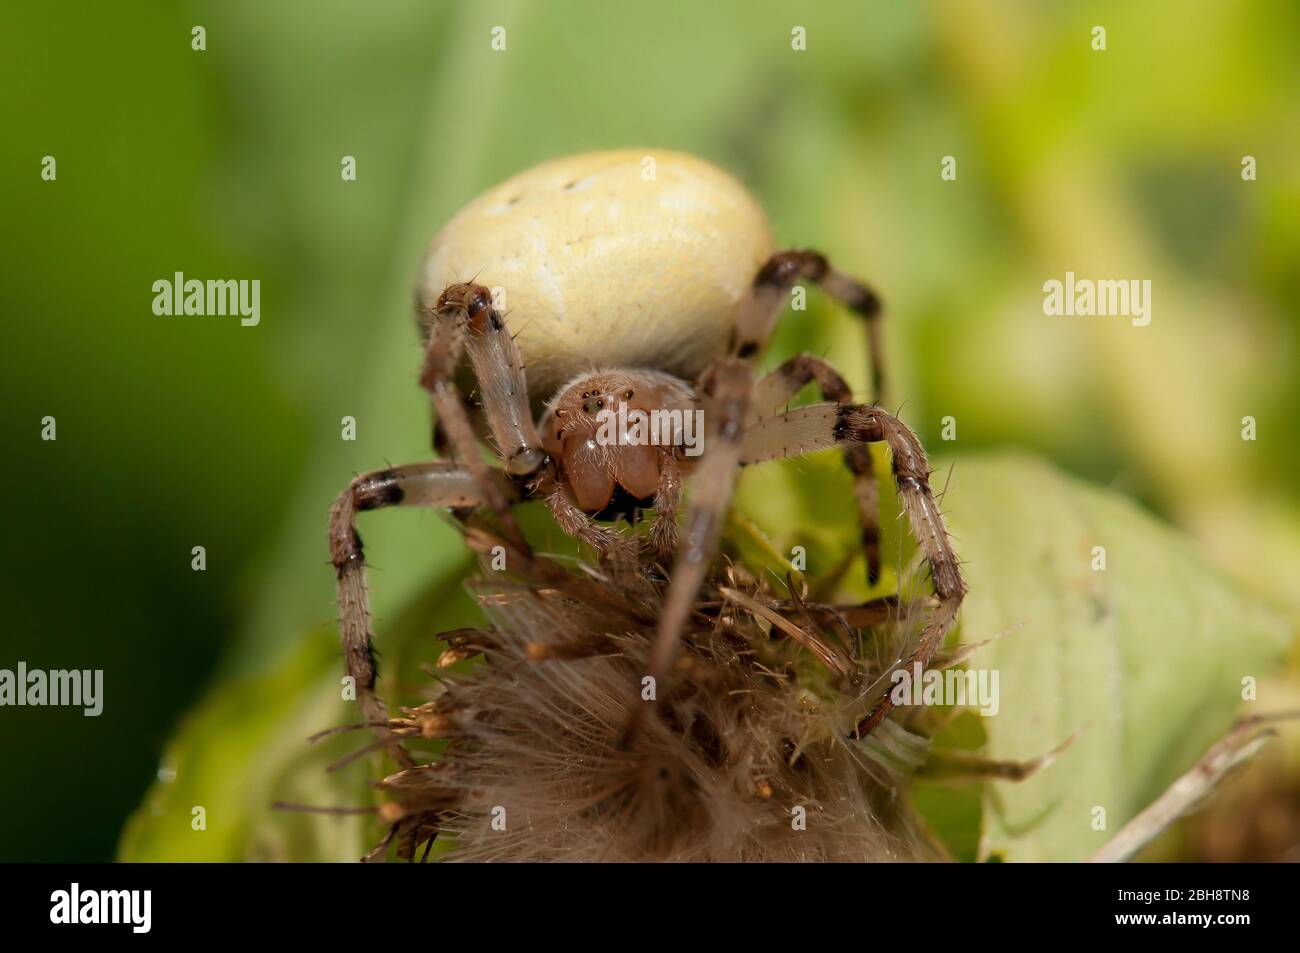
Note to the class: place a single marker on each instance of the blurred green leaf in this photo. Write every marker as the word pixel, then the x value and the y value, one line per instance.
pixel 245 748
pixel 242 750
pixel 1145 659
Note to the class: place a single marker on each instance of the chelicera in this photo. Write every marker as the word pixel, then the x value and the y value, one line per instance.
pixel 656 294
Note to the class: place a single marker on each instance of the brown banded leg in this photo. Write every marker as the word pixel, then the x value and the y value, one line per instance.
pixel 725 392
pixel 726 387
pixel 777 277
pixel 442 445
pixel 821 426
pixel 436 484
pixel 464 319
pixel 776 390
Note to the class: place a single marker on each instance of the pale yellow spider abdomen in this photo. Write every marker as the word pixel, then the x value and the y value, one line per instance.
pixel 634 258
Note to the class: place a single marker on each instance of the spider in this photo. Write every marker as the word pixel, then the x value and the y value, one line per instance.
pixel 641 282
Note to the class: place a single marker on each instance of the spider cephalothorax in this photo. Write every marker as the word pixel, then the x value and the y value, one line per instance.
pixel 639 284
pixel 619 430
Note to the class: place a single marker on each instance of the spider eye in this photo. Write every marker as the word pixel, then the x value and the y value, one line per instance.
pixel 628 395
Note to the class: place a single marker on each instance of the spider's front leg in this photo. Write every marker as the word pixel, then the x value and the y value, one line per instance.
pixel 464 319
pixel 434 484
pixel 821 426
pixel 726 391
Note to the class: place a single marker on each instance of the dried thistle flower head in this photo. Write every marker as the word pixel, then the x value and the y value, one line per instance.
pixel 747 755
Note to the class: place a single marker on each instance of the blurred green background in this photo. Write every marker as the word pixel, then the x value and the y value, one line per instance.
pixel 177 432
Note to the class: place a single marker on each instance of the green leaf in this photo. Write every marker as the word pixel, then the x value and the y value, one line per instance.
pixel 242 750
pixel 1144 658
pixel 245 748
